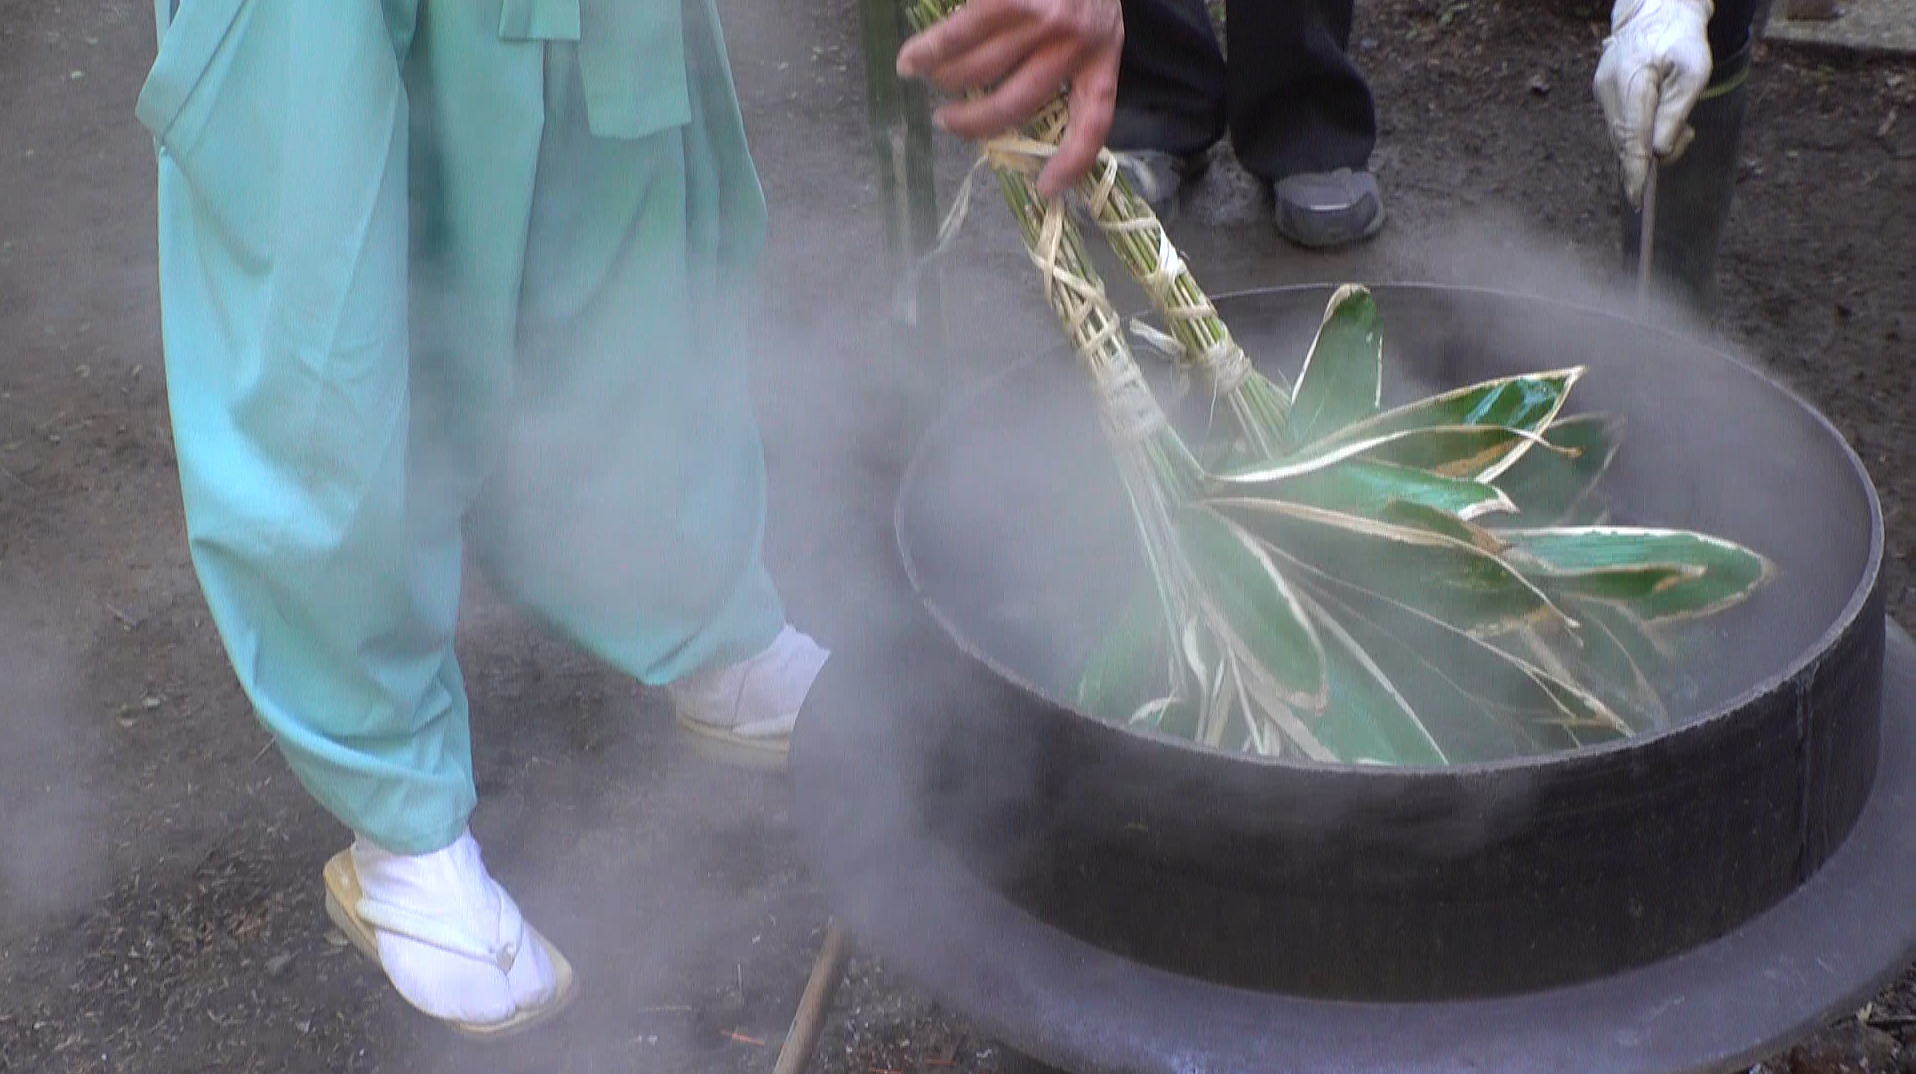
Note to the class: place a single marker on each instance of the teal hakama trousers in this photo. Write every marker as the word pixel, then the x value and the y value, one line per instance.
pixel 439 274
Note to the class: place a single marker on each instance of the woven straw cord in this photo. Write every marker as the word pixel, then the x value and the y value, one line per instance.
pixel 1071 285
pixel 1140 241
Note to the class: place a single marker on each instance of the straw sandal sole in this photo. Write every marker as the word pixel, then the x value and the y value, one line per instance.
pixel 719 744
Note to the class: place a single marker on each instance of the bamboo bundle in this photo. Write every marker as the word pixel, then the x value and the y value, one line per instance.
pixel 1197 335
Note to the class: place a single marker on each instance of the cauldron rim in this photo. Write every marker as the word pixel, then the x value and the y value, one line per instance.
pixel 1716 1006
pixel 1593 755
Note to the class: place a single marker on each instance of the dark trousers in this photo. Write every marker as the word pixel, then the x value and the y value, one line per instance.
pixel 1731 27
pixel 1291 98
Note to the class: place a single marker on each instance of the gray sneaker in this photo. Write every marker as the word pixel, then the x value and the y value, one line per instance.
pixel 1156 176
pixel 1323 210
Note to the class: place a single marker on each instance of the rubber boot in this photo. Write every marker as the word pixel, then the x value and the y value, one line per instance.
pixel 1693 194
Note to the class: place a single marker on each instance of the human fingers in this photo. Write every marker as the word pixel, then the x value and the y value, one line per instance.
pixel 1686 75
pixel 956 34
pixel 1629 98
pixel 1094 97
pixel 1022 93
pixel 990 61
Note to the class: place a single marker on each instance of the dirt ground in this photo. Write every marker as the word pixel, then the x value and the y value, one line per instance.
pixel 159 897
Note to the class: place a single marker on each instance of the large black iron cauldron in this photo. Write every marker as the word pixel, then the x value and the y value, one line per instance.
pixel 1370 886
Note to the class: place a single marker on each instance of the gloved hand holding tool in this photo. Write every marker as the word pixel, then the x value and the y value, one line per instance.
pixel 1673 86
pixel 1655 66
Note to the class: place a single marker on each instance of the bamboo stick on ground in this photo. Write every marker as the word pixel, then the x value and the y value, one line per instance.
pixel 827 973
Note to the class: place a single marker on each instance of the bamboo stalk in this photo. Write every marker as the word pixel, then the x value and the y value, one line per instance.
pixel 899 118
pixel 1158 471
pixel 1138 238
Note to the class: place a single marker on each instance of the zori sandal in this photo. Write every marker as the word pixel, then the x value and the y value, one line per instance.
pixel 358 916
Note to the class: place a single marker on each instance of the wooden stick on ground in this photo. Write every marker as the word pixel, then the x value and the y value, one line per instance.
pixel 816 1001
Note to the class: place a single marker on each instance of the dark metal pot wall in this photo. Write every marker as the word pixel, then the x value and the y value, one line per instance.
pixel 1394 883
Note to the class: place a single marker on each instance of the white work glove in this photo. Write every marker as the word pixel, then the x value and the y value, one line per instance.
pixel 1655 66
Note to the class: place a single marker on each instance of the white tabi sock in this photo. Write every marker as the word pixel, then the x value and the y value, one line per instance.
pixel 450 938
pixel 755 698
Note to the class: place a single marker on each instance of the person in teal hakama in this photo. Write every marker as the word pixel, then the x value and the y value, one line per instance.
pixel 451 275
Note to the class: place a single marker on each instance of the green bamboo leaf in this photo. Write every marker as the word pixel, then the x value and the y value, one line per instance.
pixel 1461 450
pixel 1369 721
pixel 1550 487
pixel 1452 579
pixel 1217 679
pixel 1630 586
pixel 1170 714
pixel 1617 660
pixel 1247 602
pixel 1563 655
pixel 1655 574
pixel 1130 665
pixel 1466 729
pixel 1151 713
pixel 1500 409
pixel 1442 523
pixel 1579 711
pixel 1270 726
pixel 1343 374
pixel 1478 701
pixel 1237 703
pixel 1362 487
pixel 1469 452
pixel 1634 636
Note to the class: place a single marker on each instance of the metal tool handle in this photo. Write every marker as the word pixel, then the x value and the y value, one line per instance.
pixel 1646 240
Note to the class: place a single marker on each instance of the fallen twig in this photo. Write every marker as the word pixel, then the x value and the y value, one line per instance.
pixel 815 1003
pixel 17 479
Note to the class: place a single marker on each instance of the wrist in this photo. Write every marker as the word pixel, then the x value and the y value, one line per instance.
pixel 1643 11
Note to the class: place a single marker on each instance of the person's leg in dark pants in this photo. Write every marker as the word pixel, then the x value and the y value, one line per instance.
pixel 1171 96
pixel 1732 26
pixel 1695 190
pixel 1171 82
pixel 1297 103
pixel 1299 112
pixel 1302 119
